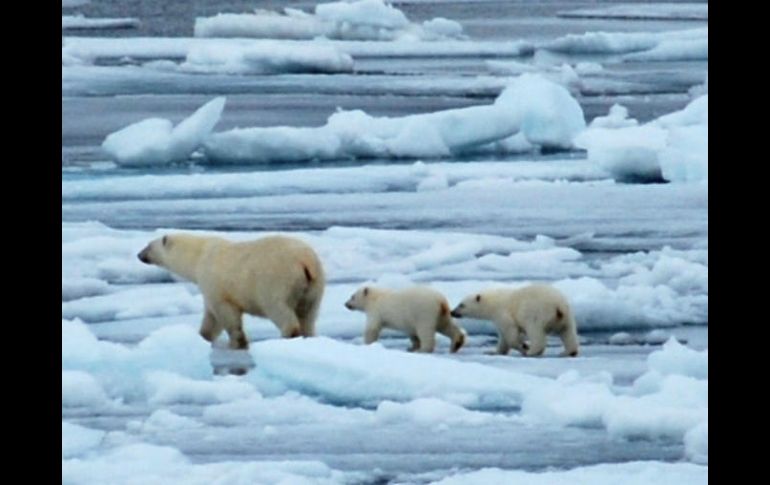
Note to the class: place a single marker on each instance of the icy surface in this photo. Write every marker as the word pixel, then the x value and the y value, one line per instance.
pixel 542 111
pixel 81 22
pixel 266 59
pixel 671 11
pixel 625 42
pixel 157 141
pixel 76 440
pixel 146 400
pixel 350 20
pixel 651 289
pixel 674 50
pixel 696 443
pixel 673 147
pixel 306 382
pixel 176 47
pixel 146 463
pixel 632 473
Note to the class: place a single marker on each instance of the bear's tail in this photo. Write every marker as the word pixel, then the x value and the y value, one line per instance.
pixel 308 274
pixel 444 309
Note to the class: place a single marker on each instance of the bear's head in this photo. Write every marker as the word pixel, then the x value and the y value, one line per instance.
pixel 473 306
pixel 358 300
pixel 155 251
pixel 178 253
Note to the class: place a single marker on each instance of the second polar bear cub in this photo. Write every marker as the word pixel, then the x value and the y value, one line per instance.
pixel 532 311
pixel 419 311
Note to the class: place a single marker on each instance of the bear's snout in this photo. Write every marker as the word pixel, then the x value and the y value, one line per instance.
pixel 456 313
pixel 348 305
pixel 144 255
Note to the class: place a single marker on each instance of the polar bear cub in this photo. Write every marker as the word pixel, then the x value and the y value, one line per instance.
pixel 419 312
pixel 276 277
pixel 532 311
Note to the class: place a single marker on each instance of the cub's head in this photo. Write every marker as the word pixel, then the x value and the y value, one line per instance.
pixel 156 252
pixel 359 299
pixel 473 306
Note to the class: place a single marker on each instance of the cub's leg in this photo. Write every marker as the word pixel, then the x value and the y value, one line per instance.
pixel 427 337
pixel 537 340
pixel 515 339
pixel 372 332
pixel 502 344
pixel 570 340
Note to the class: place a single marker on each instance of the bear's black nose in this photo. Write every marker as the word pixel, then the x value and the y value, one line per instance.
pixel 348 306
pixel 455 314
pixel 143 256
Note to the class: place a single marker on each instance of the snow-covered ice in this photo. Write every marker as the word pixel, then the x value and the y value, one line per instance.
pixel 266 59
pixel 305 382
pixel 458 164
pixel 544 112
pixel 146 463
pixel 674 146
pixel 157 141
pixel 349 20
pixel 656 288
pixel 674 50
pixel 644 11
pixel 81 22
pixel 632 473
pixel 627 42
pixel 178 47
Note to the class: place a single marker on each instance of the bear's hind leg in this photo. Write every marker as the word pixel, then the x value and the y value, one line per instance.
pixel 415 343
pixel 286 321
pixel 307 315
pixel 570 340
pixel 454 332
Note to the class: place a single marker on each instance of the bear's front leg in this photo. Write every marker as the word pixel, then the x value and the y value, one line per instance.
pixel 372 331
pixel 232 321
pixel 210 329
pixel 502 345
pixel 427 338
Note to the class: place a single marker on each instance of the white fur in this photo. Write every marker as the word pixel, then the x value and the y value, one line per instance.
pixel 276 277
pixel 419 312
pixel 533 311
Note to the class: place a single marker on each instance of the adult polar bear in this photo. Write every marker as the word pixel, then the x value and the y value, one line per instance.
pixel 276 277
pixel 533 311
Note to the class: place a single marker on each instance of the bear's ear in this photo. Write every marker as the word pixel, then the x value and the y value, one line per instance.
pixel 164 240
pixel 366 291
pixel 478 298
